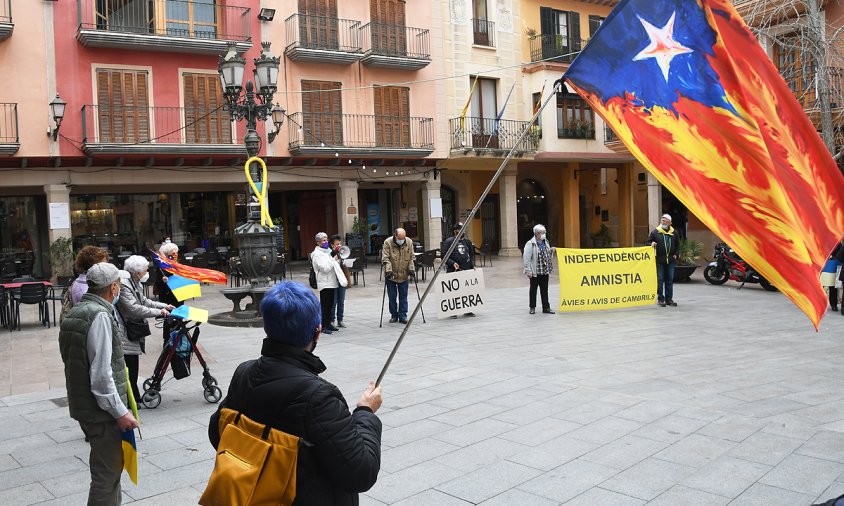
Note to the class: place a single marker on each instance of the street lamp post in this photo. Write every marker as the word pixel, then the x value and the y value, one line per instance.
pixel 256 241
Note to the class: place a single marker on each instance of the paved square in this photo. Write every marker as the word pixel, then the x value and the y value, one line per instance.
pixel 729 398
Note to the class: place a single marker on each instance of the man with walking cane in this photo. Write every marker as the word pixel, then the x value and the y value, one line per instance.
pixel 397 258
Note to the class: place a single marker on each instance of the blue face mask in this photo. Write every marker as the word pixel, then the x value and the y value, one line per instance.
pixel 114 302
pixel 400 242
pixel 324 245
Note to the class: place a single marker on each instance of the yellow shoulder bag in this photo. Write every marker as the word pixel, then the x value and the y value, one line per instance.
pixel 255 464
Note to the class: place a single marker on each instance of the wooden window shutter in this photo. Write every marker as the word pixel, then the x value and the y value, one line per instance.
pixel 205 122
pixel 574 32
pixel 392 115
pixel 322 113
pixel 123 106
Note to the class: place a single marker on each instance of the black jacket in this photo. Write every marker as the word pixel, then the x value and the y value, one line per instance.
pixel 465 259
pixel 342 453
pixel 667 244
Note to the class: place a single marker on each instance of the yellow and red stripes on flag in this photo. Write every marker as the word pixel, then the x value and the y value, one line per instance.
pixel 762 180
pixel 468 102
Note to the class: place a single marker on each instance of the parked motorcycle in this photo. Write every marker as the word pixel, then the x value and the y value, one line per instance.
pixel 729 265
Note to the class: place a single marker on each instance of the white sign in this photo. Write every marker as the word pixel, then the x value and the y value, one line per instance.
pixel 437 208
pixel 59 215
pixel 412 214
pixel 460 292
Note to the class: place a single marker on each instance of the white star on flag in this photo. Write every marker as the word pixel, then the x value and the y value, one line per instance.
pixel 663 48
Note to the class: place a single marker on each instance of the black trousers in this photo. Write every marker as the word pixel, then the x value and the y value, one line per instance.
pixel 541 282
pixel 833 297
pixel 132 365
pixel 326 300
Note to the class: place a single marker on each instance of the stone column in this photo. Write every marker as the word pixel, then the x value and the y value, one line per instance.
pixel 510 246
pixel 570 198
pixel 57 194
pixel 433 226
pixel 654 201
pixel 625 205
pixel 347 194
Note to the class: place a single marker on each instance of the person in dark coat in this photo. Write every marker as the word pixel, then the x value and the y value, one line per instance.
pixel 170 251
pixel 666 245
pixel 341 453
pixel 463 256
pixel 838 254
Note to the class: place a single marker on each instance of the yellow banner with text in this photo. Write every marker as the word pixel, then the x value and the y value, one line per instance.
pixel 606 278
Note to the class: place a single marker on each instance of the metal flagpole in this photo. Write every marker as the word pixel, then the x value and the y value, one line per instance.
pixel 557 85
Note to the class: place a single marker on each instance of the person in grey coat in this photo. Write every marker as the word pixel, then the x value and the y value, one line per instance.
pixel 133 305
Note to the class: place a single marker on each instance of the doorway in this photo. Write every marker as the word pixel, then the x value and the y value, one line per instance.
pixel 489 223
pixel 531 208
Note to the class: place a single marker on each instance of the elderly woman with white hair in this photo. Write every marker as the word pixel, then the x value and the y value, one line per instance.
pixel 135 307
pixel 538 259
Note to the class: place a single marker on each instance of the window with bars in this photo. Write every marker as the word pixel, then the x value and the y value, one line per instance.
pixel 560 33
pixel 575 119
pixel 322 118
pixel 205 122
pixel 123 114
pixel 388 26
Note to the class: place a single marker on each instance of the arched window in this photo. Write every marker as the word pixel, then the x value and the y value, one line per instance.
pixel 531 208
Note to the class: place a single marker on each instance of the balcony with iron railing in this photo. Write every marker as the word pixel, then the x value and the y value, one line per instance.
pixel 483 32
pixel 556 48
pixel 9 141
pixel 802 80
pixel 322 39
pixel 486 135
pixel 6 25
pixel 395 46
pixel 355 134
pixel 613 141
pixel 182 26
pixel 163 130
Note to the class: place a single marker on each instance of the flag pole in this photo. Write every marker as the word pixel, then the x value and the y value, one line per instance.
pixel 557 85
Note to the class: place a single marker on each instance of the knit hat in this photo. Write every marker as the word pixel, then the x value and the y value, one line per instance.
pixel 667 217
pixel 101 275
pixel 457 226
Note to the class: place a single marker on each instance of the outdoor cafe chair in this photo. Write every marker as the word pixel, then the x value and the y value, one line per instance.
pixel 32 293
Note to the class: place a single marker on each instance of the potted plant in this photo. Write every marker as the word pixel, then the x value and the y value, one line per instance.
pixel 686 262
pixel 61 260
pixel 601 238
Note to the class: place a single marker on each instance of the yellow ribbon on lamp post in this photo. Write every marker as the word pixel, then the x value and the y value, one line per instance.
pixel 262 193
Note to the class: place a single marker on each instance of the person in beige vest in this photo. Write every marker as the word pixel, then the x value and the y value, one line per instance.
pixel 397 258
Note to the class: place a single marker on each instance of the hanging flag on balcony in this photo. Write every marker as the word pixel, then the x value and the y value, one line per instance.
pixel 694 97
pixel 501 113
pixel 468 103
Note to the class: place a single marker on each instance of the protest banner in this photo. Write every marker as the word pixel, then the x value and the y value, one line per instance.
pixel 460 292
pixel 606 278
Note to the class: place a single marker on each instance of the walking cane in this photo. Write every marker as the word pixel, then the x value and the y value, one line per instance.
pixel 419 298
pixel 382 304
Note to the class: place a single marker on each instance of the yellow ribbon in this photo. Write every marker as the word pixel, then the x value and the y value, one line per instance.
pixel 262 195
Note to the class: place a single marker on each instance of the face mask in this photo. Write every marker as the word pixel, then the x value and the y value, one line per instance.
pixel 144 278
pixel 114 302
pixel 400 242
pixel 665 227
pixel 541 237
pixel 323 245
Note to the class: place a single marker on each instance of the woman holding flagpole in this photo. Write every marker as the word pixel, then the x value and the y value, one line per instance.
pixel 133 306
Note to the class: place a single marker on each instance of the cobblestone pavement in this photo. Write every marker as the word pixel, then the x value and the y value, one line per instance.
pixel 729 398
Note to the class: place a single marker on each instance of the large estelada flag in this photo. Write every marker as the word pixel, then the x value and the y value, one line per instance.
pixel 696 99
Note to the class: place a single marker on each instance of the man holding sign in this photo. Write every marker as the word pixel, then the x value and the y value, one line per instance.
pixel 537 257
pixel 462 258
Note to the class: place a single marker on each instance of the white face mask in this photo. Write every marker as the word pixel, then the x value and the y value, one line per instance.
pixel 665 227
pixel 144 278
pixel 541 237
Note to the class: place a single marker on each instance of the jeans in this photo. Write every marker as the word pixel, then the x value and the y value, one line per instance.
pixel 326 300
pixel 541 282
pixel 105 461
pixel 665 276
pixel 339 303
pixel 399 289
